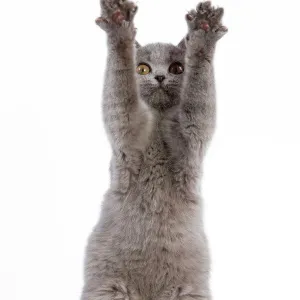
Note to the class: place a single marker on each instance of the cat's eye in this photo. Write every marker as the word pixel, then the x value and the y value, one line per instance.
pixel 176 68
pixel 143 69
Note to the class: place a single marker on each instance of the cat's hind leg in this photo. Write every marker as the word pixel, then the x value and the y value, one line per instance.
pixel 111 290
pixel 185 292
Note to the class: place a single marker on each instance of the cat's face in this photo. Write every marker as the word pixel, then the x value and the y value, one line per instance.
pixel 160 72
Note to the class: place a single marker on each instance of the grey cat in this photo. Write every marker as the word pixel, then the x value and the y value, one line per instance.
pixel 159 112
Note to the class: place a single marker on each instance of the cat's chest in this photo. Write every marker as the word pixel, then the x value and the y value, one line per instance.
pixel 154 182
pixel 154 165
pixel 145 169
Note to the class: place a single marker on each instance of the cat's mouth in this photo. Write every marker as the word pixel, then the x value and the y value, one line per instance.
pixel 164 87
pixel 153 88
pixel 161 86
pixel 169 90
pixel 160 96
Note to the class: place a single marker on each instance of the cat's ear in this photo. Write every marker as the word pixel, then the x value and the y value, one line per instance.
pixel 137 45
pixel 182 44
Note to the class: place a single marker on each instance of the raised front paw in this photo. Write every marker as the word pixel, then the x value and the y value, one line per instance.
pixel 117 18
pixel 205 26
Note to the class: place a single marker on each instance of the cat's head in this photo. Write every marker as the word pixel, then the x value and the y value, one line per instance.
pixel 160 73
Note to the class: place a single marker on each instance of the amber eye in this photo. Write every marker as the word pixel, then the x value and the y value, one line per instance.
pixel 143 69
pixel 176 68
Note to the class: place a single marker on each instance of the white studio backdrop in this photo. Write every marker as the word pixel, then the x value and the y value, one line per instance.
pixel 54 155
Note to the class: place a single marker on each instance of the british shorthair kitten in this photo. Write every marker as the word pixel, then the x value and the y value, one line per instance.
pixel 159 112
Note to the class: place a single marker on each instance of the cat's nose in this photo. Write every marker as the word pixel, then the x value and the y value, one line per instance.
pixel 160 78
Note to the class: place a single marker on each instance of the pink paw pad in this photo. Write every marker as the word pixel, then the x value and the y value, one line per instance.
pixel 118 17
pixel 205 26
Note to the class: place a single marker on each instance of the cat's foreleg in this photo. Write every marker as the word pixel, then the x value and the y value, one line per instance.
pixel 198 110
pixel 121 108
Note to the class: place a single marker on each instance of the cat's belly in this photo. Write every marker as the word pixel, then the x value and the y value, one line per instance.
pixel 156 244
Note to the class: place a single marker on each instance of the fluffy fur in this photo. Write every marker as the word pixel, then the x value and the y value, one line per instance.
pixel 149 243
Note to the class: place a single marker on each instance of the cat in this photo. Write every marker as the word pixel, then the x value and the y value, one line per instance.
pixel 159 113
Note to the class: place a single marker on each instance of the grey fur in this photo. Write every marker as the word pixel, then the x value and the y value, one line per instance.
pixel 149 243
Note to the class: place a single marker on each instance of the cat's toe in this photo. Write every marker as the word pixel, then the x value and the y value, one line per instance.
pixel 128 8
pixel 102 23
pixel 191 15
pixel 191 18
pixel 204 7
pixel 108 6
pixel 101 20
pixel 215 17
pixel 132 12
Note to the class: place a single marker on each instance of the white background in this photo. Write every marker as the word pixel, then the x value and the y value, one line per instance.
pixel 54 153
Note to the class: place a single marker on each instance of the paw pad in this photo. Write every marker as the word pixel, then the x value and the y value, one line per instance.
pixel 203 7
pixel 118 17
pixel 205 26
